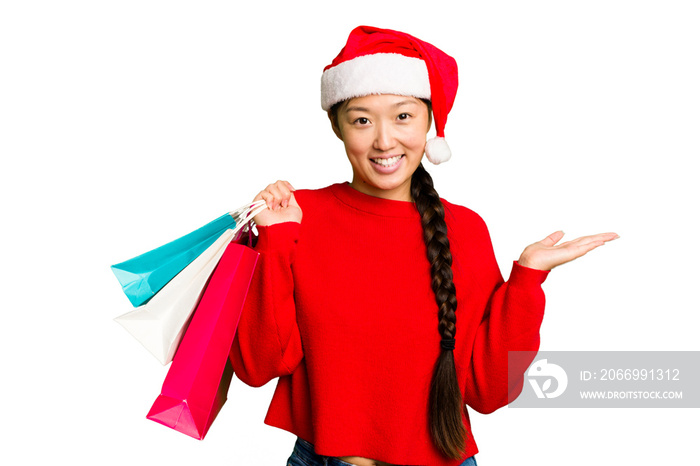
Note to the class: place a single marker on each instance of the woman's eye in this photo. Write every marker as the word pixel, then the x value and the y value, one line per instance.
pixel 403 116
pixel 362 121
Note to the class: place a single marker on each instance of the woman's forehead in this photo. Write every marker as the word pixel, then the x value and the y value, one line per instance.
pixel 379 101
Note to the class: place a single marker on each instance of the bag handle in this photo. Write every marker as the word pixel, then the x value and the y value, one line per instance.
pixel 237 213
pixel 244 218
pixel 247 213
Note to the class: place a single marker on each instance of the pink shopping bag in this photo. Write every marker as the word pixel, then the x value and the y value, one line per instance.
pixel 197 382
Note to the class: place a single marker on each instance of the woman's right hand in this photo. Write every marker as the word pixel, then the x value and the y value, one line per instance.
pixel 281 205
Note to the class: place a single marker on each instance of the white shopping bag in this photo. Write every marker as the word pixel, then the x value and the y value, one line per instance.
pixel 161 323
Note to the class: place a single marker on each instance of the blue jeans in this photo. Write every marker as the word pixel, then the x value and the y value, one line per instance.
pixel 304 455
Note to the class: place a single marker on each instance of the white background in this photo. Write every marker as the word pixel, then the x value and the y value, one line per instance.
pixel 126 124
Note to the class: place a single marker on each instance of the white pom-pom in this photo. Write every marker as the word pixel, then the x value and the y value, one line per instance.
pixel 437 150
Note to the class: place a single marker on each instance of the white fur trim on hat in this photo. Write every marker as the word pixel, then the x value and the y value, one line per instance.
pixel 380 73
pixel 437 150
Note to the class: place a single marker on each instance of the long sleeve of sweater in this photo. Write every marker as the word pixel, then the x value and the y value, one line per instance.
pixel 511 322
pixel 267 343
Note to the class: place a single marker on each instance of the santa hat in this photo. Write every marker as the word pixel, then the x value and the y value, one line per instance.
pixel 382 61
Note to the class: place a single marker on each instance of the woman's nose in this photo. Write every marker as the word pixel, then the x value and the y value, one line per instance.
pixel 384 137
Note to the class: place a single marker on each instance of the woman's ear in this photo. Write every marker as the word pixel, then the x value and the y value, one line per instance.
pixel 334 125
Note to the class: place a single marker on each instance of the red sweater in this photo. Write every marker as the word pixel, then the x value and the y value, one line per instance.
pixel 341 310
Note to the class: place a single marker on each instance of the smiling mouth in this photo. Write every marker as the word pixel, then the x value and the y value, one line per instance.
pixel 391 161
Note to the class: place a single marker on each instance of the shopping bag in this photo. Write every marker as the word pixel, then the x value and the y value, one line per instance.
pixel 160 323
pixel 143 276
pixel 195 387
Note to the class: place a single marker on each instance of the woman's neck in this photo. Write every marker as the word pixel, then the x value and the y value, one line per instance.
pixel 399 193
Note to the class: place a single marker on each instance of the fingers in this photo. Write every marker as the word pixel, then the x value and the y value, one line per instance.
pixel 553 239
pixel 583 245
pixel 276 195
pixel 600 237
pixel 605 237
pixel 586 244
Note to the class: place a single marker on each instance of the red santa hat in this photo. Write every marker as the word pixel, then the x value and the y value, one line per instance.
pixel 382 61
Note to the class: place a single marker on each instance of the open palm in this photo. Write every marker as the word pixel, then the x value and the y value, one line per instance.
pixel 547 254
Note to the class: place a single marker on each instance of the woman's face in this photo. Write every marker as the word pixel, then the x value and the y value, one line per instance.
pixel 384 137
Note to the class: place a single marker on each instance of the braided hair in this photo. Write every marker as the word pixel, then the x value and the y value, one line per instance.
pixel 445 402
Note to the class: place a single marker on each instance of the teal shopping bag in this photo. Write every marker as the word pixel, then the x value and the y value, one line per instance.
pixel 143 276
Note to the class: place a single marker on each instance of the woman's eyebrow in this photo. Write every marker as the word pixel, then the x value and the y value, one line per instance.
pixel 365 109
pixel 405 102
pixel 356 109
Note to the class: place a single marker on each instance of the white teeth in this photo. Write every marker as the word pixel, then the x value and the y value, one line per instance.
pixel 387 162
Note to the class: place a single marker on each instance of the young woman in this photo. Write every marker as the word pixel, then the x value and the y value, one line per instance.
pixel 379 305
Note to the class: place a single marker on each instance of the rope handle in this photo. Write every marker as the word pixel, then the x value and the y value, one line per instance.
pixel 244 209
pixel 244 218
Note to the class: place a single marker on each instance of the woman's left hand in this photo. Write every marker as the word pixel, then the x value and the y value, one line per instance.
pixel 547 254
